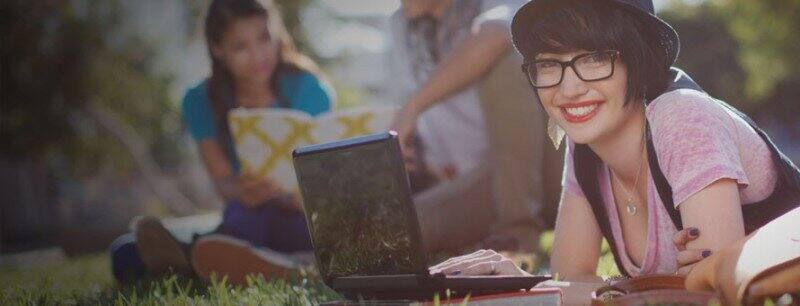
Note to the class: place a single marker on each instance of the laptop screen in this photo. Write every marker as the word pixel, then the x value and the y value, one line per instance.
pixel 359 210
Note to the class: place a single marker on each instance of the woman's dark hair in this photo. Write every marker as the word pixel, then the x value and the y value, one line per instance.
pixel 221 15
pixel 570 25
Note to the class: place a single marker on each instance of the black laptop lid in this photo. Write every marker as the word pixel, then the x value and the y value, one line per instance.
pixel 358 208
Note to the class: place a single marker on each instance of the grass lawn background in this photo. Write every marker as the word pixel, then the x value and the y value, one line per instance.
pixel 88 280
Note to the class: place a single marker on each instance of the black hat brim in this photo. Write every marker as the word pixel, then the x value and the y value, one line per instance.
pixel 526 17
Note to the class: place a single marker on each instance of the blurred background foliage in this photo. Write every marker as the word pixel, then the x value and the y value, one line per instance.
pixel 81 99
pixel 59 60
pixel 744 52
pixel 766 32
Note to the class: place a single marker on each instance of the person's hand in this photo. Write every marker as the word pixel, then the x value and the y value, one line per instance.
pixel 405 123
pixel 255 190
pixel 483 262
pixel 688 258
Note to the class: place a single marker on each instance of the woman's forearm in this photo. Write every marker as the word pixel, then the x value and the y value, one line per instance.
pixel 721 200
pixel 564 269
pixel 228 189
pixel 583 278
pixel 576 243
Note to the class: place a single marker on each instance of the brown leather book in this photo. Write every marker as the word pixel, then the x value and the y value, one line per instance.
pixel 763 265
pixel 651 290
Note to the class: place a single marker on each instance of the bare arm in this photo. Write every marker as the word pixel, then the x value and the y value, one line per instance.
pixel 716 212
pixel 465 65
pixel 576 246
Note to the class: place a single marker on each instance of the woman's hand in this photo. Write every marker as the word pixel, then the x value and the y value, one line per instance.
pixel 255 190
pixel 688 258
pixel 483 262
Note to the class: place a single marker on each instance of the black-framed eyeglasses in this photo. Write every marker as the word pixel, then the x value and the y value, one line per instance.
pixel 594 66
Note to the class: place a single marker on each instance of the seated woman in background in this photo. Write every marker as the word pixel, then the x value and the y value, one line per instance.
pixel 666 173
pixel 254 64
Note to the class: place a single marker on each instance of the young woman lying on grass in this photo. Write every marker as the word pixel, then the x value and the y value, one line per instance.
pixel 666 173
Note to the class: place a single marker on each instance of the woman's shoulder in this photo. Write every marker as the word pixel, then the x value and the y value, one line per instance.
pixel 682 100
pixel 196 95
pixel 686 107
pixel 301 76
pixel 293 82
pixel 307 92
pixel 197 112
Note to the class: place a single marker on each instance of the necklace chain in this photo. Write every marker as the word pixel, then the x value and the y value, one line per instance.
pixel 630 205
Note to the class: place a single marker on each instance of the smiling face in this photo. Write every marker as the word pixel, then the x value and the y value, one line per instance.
pixel 248 50
pixel 587 111
pixel 592 111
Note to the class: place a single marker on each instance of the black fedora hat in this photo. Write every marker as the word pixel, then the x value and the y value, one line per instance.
pixel 526 17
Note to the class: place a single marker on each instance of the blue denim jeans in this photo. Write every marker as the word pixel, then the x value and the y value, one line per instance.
pixel 267 226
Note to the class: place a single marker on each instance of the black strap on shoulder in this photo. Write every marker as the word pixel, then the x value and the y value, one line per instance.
pixel 662 185
pixel 785 196
pixel 586 164
pixel 680 80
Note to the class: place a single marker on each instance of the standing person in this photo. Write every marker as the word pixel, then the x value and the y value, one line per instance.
pixel 452 126
pixel 666 173
pixel 254 64
pixel 449 45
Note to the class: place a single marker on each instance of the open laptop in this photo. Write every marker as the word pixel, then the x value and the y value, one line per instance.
pixel 364 226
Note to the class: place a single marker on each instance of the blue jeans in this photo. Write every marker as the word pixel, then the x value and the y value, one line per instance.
pixel 265 226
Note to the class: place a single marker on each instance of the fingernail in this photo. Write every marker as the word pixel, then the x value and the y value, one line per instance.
pixel 456 272
pixel 706 253
pixel 694 232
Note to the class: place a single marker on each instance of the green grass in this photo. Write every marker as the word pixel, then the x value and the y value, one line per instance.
pixel 87 281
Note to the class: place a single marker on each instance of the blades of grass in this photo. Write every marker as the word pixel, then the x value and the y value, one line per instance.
pixel 465 301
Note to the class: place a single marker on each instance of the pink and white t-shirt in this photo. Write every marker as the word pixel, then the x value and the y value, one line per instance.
pixel 697 141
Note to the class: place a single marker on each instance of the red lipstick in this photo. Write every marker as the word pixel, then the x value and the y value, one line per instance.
pixel 581 111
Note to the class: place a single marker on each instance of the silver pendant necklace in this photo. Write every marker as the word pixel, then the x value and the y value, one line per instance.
pixel 630 205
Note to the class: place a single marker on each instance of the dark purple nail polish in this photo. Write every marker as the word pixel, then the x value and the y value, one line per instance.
pixel 456 272
pixel 694 232
pixel 706 253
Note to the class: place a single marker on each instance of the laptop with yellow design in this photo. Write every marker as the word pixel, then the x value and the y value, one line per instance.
pixel 264 137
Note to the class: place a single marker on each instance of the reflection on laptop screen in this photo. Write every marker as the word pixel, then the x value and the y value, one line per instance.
pixel 356 206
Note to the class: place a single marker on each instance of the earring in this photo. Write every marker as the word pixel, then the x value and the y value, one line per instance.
pixel 555 132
